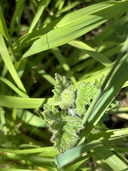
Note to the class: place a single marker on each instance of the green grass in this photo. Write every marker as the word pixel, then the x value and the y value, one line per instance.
pixel 82 40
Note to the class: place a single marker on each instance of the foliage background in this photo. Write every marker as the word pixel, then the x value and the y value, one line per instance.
pixel 78 39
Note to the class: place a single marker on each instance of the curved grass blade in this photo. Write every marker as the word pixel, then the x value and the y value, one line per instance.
pixel 86 48
pixel 77 152
pixel 113 86
pixel 26 103
pixel 42 6
pixel 16 15
pixel 64 64
pixel 13 87
pixel 74 25
pixel 9 64
pixel 3 27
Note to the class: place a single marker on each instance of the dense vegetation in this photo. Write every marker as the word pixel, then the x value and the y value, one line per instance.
pixel 60 61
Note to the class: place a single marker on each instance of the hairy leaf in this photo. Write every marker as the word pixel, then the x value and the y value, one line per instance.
pixel 85 93
pixel 64 92
pixel 65 119
pixel 65 128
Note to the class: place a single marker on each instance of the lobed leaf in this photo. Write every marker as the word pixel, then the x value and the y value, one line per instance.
pixel 64 92
pixel 85 93
pixel 65 128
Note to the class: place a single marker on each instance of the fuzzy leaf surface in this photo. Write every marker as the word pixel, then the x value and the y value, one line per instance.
pixel 85 93
pixel 64 128
pixel 64 92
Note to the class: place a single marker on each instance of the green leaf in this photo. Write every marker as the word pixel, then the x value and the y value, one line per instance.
pixel 3 27
pixel 62 60
pixel 13 87
pixel 97 145
pixel 112 159
pixel 67 98
pixel 67 134
pixel 7 60
pixel 85 93
pixel 17 14
pixel 105 97
pixel 74 25
pixel 30 119
pixel 65 128
pixel 26 103
pixel 92 52
pixel 64 92
pixel 42 6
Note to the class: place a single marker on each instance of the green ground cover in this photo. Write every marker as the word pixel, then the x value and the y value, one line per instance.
pixel 63 85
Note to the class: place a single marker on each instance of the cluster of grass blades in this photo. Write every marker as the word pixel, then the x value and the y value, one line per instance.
pixel 82 40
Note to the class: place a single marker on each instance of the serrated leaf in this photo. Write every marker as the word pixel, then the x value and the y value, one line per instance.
pixel 99 82
pixel 67 135
pixel 61 84
pixel 51 114
pixel 65 120
pixel 85 93
pixel 64 92
pixel 65 128
pixel 67 99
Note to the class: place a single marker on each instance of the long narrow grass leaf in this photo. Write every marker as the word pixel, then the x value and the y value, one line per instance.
pixel 64 64
pixel 16 15
pixel 26 103
pixel 112 160
pixel 42 6
pixel 7 60
pixel 65 30
pixel 107 95
pixel 77 152
pixel 86 48
pixel 3 27
pixel 13 87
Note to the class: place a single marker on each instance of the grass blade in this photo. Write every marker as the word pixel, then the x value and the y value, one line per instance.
pixel 97 56
pixel 26 103
pixel 42 6
pixel 112 160
pixel 107 95
pixel 63 31
pixel 9 64
pixel 3 27
pixel 13 87
pixel 16 15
